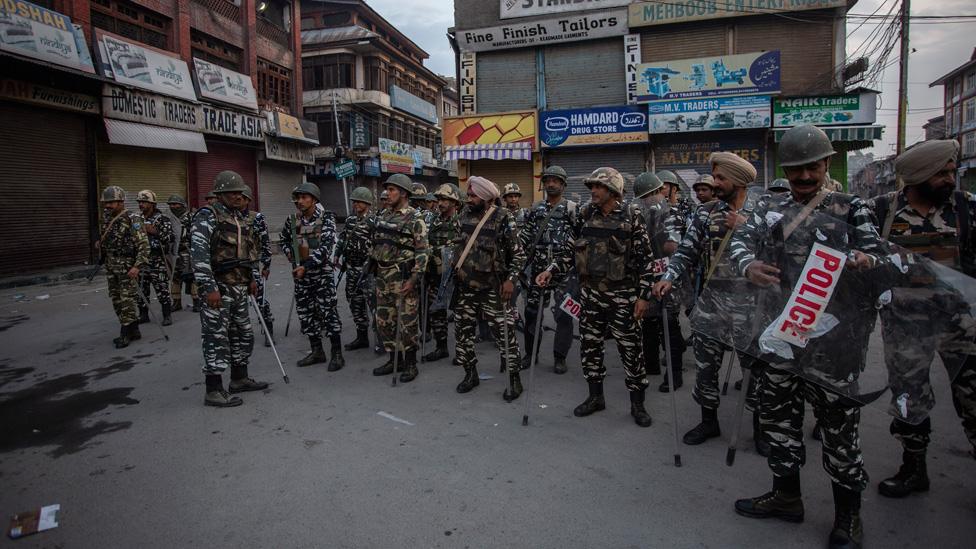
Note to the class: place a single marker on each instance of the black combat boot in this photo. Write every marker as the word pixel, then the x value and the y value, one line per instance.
pixel 470 380
pixel 167 315
pixel 361 341
pixel 240 382
pixel 912 476
pixel 708 428
pixel 410 371
pixel 594 402
pixel 134 333
pixel 637 411
pixel 317 356
pixel 848 531
pixel 438 353
pixel 514 388
pixel 196 305
pixel 665 385
pixel 559 364
pixel 387 367
pixel 122 341
pixel 143 314
pixel 337 361
pixel 268 334
pixel 784 502
pixel 817 433
pixel 217 396
pixel 762 444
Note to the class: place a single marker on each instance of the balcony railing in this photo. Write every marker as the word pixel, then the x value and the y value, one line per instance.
pixel 273 32
pixel 222 7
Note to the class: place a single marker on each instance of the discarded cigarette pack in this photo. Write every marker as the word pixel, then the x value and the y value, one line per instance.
pixel 32 522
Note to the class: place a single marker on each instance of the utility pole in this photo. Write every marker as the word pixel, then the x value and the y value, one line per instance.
pixel 903 77
pixel 335 115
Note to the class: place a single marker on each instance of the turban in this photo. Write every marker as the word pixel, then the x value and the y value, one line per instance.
pixel 738 169
pixel 483 189
pixel 919 163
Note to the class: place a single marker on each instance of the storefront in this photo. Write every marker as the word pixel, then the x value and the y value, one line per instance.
pixel 288 146
pixel 687 154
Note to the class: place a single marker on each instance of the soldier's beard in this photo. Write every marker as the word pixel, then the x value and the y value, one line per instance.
pixel 477 208
pixel 933 195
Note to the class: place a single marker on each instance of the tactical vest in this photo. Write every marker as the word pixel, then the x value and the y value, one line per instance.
pixel 440 235
pixel 945 248
pixel 355 250
pixel 484 262
pixel 603 247
pixel 307 237
pixel 119 241
pixel 394 242
pixel 717 231
pixel 232 250
pixel 155 246
pixel 560 222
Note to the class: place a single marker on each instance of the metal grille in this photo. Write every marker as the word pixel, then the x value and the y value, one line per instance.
pixel 221 7
pixel 273 32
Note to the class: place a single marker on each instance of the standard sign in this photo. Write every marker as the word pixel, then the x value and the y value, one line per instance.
pixel 232 124
pixel 150 108
pixel 571 28
pixel 810 296
pixel 595 126
pixel 643 14
pixel 28 92
pixel 467 91
pixel 524 8
pixel 571 307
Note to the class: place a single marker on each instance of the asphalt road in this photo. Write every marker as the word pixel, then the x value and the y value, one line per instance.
pixel 121 440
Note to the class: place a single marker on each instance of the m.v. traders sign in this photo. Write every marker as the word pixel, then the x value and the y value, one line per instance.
pixel 571 28
pixel 596 126
pixel 742 74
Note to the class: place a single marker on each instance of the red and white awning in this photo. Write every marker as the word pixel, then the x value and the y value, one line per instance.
pixel 494 151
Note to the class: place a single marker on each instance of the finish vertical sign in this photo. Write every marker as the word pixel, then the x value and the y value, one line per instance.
pixel 632 58
pixel 467 91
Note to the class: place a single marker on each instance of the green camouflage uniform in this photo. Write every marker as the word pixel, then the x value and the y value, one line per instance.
pixel 353 247
pixel 124 245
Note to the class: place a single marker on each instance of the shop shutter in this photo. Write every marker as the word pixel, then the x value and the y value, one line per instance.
pixel 503 172
pixel 585 76
pixel 225 156
pixel 698 39
pixel 276 181
pixel 630 161
pixel 507 80
pixel 45 161
pixel 805 70
pixel 136 168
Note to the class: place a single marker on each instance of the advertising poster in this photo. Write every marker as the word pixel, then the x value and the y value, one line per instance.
pixel 490 129
pixel 715 113
pixel 143 68
pixel 830 110
pixel 726 75
pixel 396 157
pixel 594 126
pixel 32 31
pixel 225 85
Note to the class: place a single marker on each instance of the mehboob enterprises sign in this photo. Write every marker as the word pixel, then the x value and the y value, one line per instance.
pixel 570 28
pixel 657 12
pixel 595 126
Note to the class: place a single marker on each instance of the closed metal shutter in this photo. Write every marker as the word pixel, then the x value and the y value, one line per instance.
pixel 698 39
pixel 589 75
pixel 277 179
pixel 333 198
pixel 43 159
pixel 630 161
pixel 805 70
pixel 136 168
pixel 507 80
pixel 225 156
pixel 503 172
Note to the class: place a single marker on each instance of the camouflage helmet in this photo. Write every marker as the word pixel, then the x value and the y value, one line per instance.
pixel 307 188
pixel 210 195
pixel 705 180
pixel 557 172
pixel 512 188
pixel 176 199
pixel 419 192
pixel 449 191
pixel 802 145
pixel 362 194
pixel 646 183
pixel 247 192
pixel 779 184
pixel 146 195
pixel 113 193
pixel 228 182
pixel 608 177
pixel 400 180
pixel 667 176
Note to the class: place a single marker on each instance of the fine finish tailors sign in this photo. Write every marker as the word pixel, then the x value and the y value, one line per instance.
pixel 570 28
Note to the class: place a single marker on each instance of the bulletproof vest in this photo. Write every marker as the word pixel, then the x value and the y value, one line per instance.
pixel 119 241
pixel 943 247
pixel 655 216
pixel 355 250
pixel 940 247
pixel 559 224
pixel 231 244
pixel 155 246
pixel 307 237
pixel 441 232
pixel 394 240
pixel 717 230
pixel 603 247
pixel 484 262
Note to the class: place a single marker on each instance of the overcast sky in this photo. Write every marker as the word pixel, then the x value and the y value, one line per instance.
pixel 940 47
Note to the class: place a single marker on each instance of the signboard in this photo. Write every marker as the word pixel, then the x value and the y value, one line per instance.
pixel 811 295
pixel 594 126
pixel 288 151
pixel 32 31
pixel 225 85
pixel 509 9
pixel 643 14
pixel 344 169
pixel 360 137
pixel 148 69
pixel 827 110
pixel 688 154
pixel 713 113
pixel 570 28
pixel 407 102
pixel 371 167
pixel 395 157
pixel 632 58
pixel 290 127
pixel 150 108
pixel 570 306
pixel 241 125
pixel 27 92
pixel 743 74
pixel 467 90
pixel 490 129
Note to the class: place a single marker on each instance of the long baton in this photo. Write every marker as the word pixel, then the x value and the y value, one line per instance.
pixel 151 313
pixel 396 338
pixel 728 373
pixel 739 408
pixel 508 350
pixel 291 309
pixel 534 360
pixel 270 340
pixel 423 318
pixel 674 401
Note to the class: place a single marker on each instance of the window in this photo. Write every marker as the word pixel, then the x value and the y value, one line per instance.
pixel 969 144
pixel 308 23
pixel 969 112
pixel 384 127
pixel 377 75
pixel 131 21
pixel 948 122
pixel 276 12
pixel 336 19
pixel 956 115
pixel 274 85
pixel 326 72
pixel 971 81
pixel 215 51
pixel 958 89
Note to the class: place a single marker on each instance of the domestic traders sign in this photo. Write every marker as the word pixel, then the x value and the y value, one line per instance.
pixel 509 9
pixel 569 28
pixel 743 74
pixel 643 14
pixel 149 108
pixel 595 126
pixel 707 114
pixel 217 121
pixel 32 31
pixel 825 110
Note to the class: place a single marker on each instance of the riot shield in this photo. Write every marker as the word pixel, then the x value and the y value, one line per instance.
pixel 446 286
pixel 856 315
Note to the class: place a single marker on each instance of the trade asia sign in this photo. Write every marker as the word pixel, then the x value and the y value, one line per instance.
pixel 656 12
pixel 726 75
pixel 569 28
pixel 825 110
pixel 509 9
pixel 225 85
pixel 134 65
pixel 32 31
pixel 711 113
pixel 595 126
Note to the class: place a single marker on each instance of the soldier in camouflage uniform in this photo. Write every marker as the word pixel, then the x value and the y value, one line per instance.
pixel 488 262
pixel 442 234
pixel 124 249
pixel 307 240
pixel 262 269
pixel 612 253
pixel 844 222
pixel 223 253
pixel 728 299
pixel 547 229
pixel 157 274
pixel 704 189
pixel 399 254
pixel 928 217
pixel 511 196
pixel 182 273
pixel 681 212
pixel 353 248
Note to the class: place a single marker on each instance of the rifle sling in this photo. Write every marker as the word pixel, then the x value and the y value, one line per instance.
pixel 474 236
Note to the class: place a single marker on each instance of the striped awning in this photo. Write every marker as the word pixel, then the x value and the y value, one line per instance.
pixel 494 151
pixel 843 133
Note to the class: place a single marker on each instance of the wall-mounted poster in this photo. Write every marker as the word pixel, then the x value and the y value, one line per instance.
pixel 743 74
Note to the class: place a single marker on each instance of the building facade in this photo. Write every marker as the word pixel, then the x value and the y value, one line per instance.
pixel 960 117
